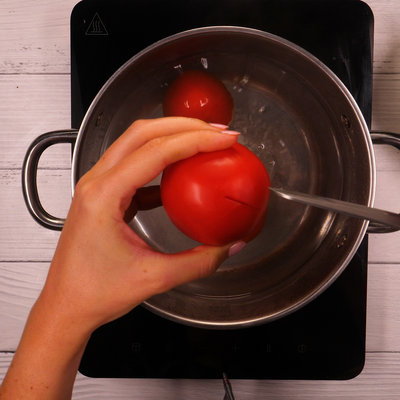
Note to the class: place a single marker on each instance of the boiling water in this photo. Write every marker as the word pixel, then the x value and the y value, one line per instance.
pixel 271 131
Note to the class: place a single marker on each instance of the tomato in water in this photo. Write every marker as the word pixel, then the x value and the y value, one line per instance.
pixel 219 197
pixel 198 94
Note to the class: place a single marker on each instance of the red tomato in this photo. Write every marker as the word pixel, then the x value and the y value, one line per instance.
pixel 217 198
pixel 198 94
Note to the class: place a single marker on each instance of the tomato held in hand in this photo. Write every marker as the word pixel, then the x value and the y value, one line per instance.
pixel 217 198
pixel 198 94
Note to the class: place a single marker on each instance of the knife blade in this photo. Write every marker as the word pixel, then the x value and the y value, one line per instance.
pixel 343 207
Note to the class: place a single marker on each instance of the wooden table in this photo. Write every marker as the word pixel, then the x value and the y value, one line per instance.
pixel 35 98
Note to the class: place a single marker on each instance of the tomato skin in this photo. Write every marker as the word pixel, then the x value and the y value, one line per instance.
pixel 216 198
pixel 198 94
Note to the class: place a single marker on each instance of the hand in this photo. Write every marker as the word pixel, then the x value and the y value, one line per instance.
pixel 101 268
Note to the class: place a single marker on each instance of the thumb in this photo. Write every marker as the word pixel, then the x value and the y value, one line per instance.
pixel 197 263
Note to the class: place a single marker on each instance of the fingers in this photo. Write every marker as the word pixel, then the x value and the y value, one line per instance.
pixel 147 162
pixel 197 263
pixel 139 133
pixel 176 269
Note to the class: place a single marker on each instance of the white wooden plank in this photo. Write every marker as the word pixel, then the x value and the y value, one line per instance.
pixel 379 380
pixel 386 36
pixel 20 285
pixel 21 282
pixel 385 247
pixel 18 227
pixel 41 103
pixel 38 104
pixel 383 308
pixel 386 103
pixel 387 160
pixel 21 237
pixel 31 106
pixel 34 36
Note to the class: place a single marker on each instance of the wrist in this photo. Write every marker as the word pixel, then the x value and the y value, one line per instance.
pixel 48 356
pixel 57 317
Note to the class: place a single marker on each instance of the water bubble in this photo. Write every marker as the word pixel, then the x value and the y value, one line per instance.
pixel 245 80
pixel 178 68
pixel 204 62
pixel 261 146
pixel 261 109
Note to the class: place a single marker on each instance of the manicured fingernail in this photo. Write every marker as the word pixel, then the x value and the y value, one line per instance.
pixel 224 129
pixel 233 133
pixel 219 126
pixel 235 248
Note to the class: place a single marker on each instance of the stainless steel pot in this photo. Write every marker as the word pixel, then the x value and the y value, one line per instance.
pixel 301 121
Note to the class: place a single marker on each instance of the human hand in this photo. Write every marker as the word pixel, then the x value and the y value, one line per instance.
pixel 101 268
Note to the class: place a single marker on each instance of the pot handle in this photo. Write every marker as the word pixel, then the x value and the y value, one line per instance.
pixel 29 175
pixel 392 139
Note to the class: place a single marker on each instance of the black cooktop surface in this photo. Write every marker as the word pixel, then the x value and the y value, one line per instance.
pixel 326 338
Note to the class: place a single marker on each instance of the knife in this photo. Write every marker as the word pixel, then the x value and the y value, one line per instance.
pixel 343 207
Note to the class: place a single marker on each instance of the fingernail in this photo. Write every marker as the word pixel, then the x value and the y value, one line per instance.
pixel 219 126
pixel 233 133
pixel 235 248
pixel 223 129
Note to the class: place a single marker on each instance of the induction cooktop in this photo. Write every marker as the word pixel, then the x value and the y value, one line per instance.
pixel 326 338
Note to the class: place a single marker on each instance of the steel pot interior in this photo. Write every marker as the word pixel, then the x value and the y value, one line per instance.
pixel 300 121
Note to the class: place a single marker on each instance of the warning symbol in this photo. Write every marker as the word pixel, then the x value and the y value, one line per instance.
pixel 96 27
